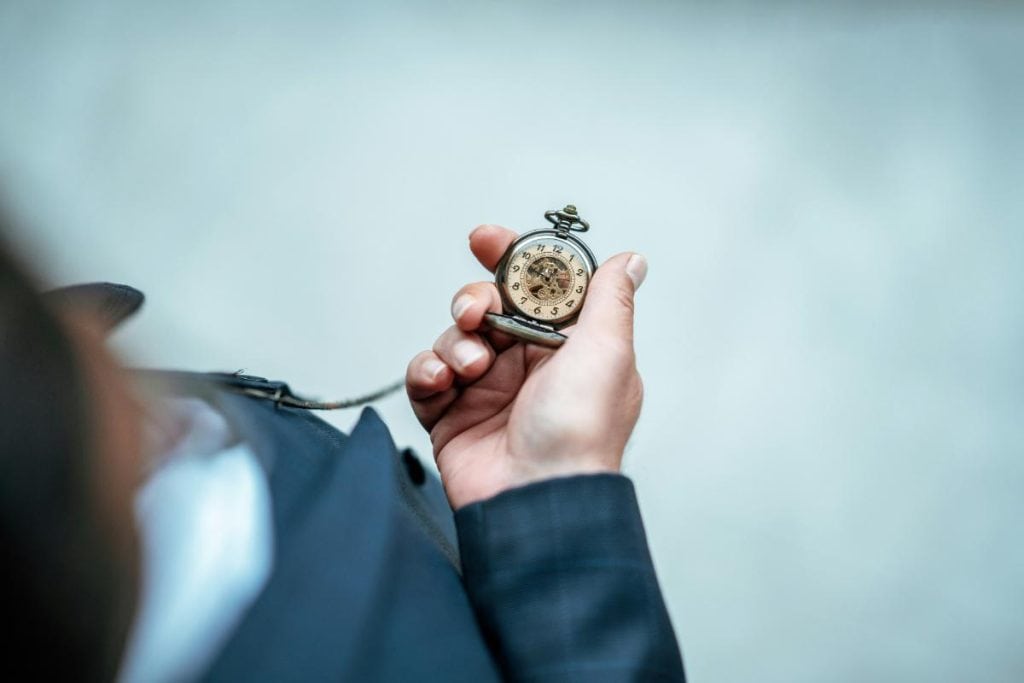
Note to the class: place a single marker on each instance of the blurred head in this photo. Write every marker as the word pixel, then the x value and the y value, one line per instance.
pixel 69 454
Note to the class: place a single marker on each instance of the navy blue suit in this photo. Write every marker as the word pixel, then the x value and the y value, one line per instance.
pixel 375 579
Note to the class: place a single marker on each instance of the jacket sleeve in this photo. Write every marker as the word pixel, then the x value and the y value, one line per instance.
pixel 561 580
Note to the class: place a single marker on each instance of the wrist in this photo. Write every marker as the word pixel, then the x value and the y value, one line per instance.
pixel 518 475
pixel 556 468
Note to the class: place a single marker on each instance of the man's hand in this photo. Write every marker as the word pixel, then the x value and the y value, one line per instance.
pixel 502 413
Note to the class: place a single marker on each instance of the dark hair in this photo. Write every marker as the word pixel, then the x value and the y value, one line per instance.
pixel 67 600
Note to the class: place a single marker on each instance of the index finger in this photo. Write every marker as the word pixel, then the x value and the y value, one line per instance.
pixel 489 242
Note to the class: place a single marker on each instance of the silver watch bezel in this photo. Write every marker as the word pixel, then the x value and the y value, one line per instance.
pixel 501 275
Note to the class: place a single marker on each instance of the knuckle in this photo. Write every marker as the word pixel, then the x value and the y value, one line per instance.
pixel 417 361
pixel 636 389
pixel 445 340
pixel 623 296
pixel 441 346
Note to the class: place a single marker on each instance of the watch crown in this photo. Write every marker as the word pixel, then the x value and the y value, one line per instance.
pixel 567 219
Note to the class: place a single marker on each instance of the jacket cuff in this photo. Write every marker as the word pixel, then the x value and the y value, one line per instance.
pixel 557 523
pixel 562 583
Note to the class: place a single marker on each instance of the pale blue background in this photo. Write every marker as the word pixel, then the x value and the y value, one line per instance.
pixel 830 456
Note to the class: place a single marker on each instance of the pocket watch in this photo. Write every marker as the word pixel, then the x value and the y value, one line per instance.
pixel 543 279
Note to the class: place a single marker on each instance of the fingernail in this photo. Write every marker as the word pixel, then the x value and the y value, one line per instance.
pixel 461 305
pixel 636 269
pixel 433 368
pixel 467 352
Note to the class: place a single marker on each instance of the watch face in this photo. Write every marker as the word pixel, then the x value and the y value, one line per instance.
pixel 546 278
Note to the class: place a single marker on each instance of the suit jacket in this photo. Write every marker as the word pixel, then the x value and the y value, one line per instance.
pixel 375 579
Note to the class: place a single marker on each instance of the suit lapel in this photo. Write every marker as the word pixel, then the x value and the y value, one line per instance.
pixel 331 565
pixel 363 586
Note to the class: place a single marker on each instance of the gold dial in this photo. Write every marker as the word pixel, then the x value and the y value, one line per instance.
pixel 546 279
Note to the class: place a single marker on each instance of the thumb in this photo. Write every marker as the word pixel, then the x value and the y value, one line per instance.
pixel 608 308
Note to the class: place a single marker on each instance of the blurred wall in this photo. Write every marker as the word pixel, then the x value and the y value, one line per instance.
pixel 830 457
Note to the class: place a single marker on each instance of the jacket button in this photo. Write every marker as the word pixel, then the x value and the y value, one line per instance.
pixel 413 467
